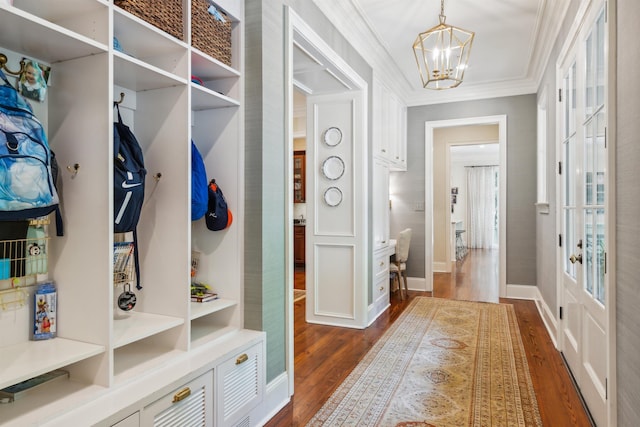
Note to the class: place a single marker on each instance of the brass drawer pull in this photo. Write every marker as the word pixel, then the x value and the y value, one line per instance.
pixel 242 358
pixel 181 395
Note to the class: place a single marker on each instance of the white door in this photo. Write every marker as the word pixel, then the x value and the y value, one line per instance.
pixel 335 232
pixel 583 195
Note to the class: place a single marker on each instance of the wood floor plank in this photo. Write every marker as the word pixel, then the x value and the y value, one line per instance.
pixel 325 355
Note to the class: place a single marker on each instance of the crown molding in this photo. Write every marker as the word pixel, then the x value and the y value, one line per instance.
pixel 472 92
pixel 349 20
pixel 549 25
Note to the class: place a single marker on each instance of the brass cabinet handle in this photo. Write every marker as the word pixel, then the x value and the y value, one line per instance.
pixel 181 395
pixel 242 358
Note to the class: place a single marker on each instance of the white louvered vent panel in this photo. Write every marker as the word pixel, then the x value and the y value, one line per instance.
pixel 244 423
pixel 240 386
pixel 188 412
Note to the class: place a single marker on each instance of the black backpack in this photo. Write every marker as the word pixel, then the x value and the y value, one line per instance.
pixel 128 184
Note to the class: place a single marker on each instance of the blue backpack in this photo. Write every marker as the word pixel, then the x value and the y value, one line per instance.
pixel 27 187
pixel 128 184
pixel 199 187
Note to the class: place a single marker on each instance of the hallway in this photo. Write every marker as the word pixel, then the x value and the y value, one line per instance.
pixel 325 355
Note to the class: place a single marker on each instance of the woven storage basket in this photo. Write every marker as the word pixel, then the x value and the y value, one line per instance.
pixel 165 14
pixel 208 34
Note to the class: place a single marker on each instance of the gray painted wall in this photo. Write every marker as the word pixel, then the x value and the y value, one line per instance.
pixel 408 186
pixel 627 267
pixel 265 162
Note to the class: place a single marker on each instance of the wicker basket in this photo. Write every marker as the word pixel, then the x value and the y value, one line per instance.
pixel 208 34
pixel 165 14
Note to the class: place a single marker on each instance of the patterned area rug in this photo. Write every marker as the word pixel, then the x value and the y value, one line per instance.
pixel 442 363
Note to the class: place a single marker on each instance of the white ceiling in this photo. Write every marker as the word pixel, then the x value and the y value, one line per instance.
pixel 513 40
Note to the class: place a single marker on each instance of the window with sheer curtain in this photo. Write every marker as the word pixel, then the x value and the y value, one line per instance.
pixel 482 207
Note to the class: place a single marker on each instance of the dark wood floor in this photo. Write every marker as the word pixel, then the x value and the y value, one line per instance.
pixel 325 355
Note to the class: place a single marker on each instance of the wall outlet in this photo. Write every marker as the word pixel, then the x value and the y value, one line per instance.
pixel 418 206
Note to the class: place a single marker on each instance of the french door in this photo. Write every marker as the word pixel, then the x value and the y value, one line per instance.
pixel 584 216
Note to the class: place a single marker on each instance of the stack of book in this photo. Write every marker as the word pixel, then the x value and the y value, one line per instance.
pixel 204 297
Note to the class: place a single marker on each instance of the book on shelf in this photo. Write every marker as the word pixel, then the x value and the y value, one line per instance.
pixel 23 388
pixel 207 296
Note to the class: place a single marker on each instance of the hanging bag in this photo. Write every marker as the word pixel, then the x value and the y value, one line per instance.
pixel 27 187
pixel 199 187
pixel 128 184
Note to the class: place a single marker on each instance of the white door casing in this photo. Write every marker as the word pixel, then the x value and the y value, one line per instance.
pixel 298 32
pixel 583 213
pixel 501 121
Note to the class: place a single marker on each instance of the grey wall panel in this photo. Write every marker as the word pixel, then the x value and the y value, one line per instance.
pixel 628 213
pixel 521 179
pixel 265 162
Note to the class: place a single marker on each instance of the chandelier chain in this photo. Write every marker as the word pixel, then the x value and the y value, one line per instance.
pixel 441 7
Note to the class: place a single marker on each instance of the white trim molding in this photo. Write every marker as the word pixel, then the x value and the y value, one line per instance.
pixel 548 317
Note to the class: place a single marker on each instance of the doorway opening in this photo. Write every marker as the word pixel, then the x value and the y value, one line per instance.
pixel 442 208
pixel 299 193
pixel 326 174
pixel 475 188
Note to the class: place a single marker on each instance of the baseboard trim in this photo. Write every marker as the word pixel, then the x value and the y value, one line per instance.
pixel 276 397
pixel 548 318
pixel 442 267
pixel 417 284
pixel 522 292
pixel 547 315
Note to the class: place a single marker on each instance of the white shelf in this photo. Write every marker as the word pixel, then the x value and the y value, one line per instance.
pixel 46 399
pixel 142 38
pixel 32 358
pixel 202 333
pixel 205 99
pixel 137 75
pixel 199 309
pixel 208 68
pixel 41 39
pixel 60 9
pixel 138 326
pixel 131 361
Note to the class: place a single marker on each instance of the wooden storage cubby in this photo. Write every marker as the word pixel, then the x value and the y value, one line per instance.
pixel 165 110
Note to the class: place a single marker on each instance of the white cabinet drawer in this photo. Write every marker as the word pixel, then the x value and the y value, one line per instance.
pixel 132 420
pixel 380 266
pixel 381 288
pixel 190 405
pixel 239 386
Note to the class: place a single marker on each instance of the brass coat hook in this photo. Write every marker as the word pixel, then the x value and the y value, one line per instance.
pixel 3 65
pixel 121 99
pixel 74 169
